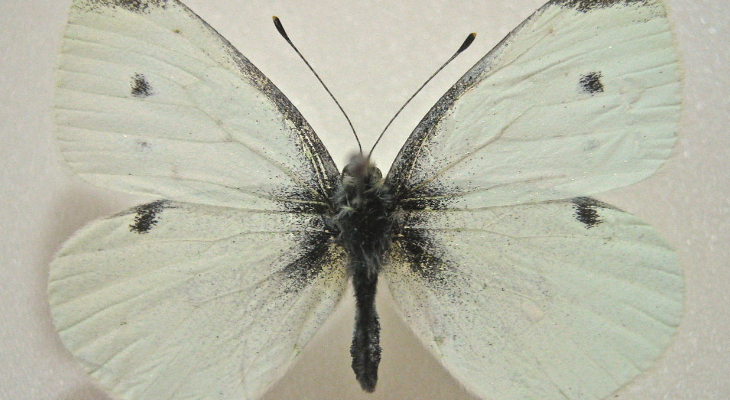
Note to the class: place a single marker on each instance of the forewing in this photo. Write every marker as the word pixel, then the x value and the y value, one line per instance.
pixel 558 300
pixel 179 301
pixel 582 97
pixel 153 100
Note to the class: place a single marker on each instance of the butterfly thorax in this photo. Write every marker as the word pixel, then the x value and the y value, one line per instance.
pixel 364 207
pixel 364 221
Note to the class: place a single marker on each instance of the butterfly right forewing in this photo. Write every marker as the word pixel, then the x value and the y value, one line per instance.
pixel 582 97
pixel 555 300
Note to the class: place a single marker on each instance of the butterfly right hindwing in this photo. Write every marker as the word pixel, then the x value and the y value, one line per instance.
pixel 555 300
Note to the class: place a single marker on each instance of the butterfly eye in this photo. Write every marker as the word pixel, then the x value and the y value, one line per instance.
pixel 376 177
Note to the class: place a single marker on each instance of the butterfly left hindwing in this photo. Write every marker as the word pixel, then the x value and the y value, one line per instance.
pixel 169 300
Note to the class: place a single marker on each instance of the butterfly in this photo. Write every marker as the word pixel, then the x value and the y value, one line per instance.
pixel 515 280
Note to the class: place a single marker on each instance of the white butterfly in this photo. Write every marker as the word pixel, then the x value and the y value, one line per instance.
pixel 522 288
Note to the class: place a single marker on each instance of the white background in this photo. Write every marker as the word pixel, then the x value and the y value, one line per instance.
pixel 373 54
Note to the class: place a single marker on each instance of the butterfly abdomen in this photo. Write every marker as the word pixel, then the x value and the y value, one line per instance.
pixel 364 221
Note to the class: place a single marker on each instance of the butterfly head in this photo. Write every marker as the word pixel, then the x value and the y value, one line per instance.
pixel 361 174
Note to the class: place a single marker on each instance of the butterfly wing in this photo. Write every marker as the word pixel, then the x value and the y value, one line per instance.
pixel 212 295
pixel 149 96
pixel 556 300
pixel 521 289
pixel 582 97
pixel 177 300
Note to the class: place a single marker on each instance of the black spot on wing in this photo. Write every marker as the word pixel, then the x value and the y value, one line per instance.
pixel 587 211
pixel 141 86
pixel 591 82
pixel 146 217
pixel 142 145
pixel 590 5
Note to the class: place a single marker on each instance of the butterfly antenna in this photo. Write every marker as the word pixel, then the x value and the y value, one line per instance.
pixel 467 42
pixel 282 32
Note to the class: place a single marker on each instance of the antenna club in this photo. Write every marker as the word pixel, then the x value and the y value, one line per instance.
pixel 467 42
pixel 280 28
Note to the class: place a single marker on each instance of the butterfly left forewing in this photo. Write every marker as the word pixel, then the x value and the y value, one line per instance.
pixel 556 300
pixel 150 99
pixel 175 300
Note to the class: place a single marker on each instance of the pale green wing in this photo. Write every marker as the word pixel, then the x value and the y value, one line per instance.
pixel 153 100
pixel 551 301
pixel 582 97
pixel 174 301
